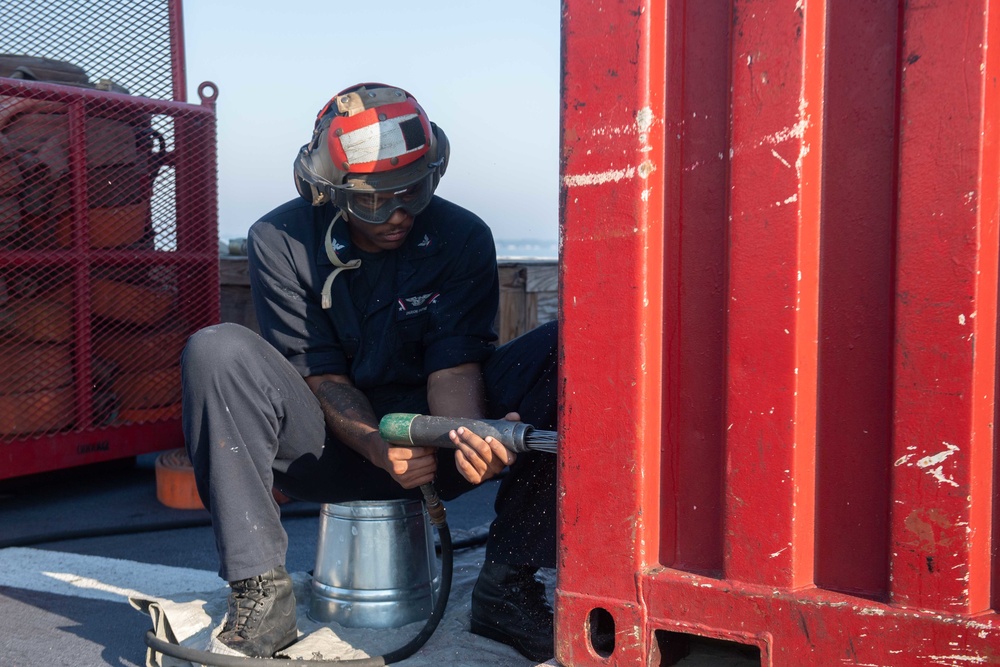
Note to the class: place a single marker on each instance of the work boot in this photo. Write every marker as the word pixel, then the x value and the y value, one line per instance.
pixel 509 606
pixel 261 615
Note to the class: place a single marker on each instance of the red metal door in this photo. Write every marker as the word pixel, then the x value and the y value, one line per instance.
pixel 779 312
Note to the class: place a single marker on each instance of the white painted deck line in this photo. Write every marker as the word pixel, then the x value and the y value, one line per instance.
pixel 99 578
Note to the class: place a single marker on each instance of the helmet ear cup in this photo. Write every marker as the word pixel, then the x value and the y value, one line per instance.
pixel 303 186
pixel 442 151
pixel 305 181
pixel 308 191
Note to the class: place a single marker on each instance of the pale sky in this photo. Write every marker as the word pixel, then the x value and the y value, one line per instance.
pixel 486 72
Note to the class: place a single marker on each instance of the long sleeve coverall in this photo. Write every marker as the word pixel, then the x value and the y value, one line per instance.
pixel 251 422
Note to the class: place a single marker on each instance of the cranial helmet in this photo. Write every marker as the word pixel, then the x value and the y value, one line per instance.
pixel 373 151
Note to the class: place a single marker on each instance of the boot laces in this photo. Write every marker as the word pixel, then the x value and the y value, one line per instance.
pixel 246 605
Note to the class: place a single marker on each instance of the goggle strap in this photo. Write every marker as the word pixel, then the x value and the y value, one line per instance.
pixel 327 292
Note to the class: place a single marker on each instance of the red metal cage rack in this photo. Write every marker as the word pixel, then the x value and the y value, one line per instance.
pixel 780 258
pixel 108 230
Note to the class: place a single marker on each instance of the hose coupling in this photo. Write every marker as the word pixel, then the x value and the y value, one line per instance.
pixel 435 508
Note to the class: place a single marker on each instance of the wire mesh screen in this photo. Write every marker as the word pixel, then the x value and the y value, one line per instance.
pixel 126 42
pixel 108 246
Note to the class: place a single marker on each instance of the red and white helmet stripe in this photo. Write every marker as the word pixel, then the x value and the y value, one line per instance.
pixel 379 139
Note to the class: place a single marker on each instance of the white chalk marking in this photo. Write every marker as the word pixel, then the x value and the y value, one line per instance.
pixel 781 159
pixel 949 659
pixel 599 178
pixel 796 131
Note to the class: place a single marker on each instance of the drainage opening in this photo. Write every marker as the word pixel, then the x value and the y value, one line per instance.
pixel 672 647
pixel 601 625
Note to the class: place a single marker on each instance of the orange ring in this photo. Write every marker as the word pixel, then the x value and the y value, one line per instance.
pixel 175 486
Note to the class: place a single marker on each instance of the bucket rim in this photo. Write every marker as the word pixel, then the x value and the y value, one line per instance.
pixel 374 509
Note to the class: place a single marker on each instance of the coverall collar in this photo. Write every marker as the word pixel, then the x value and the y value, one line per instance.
pixel 338 253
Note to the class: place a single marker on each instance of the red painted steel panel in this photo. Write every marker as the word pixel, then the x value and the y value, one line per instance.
pixel 989 216
pixel 697 135
pixel 856 290
pixel 945 313
pixel 779 311
pixel 612 136
pixel 773 269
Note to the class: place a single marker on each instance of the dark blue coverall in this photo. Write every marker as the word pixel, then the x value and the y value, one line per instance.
pixel 250 420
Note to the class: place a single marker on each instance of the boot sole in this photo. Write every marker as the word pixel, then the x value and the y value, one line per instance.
pixel 287 640
pixel 490 632
pixel 216 646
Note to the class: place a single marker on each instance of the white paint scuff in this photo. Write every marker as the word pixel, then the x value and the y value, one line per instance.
pixel 932 464
pixel 644 120
pixel 952 659
pixel 796 131
pixel 610 176
pixel 928 461
pixel 599 178
pixel 782 160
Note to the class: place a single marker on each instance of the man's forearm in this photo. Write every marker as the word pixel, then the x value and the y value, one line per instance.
pixel 457 392
pixel 349 417
pixel 461 392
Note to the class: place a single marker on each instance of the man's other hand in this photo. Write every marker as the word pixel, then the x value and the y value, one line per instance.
pixel 479 459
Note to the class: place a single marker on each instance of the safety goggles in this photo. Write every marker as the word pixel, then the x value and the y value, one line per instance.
pixel 376 207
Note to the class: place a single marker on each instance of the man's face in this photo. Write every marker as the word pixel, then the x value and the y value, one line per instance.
pixel 387 236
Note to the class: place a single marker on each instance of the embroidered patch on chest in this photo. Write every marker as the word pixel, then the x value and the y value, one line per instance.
pixel 409 306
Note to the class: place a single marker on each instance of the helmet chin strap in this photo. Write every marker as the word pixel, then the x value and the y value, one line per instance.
pixel 331 253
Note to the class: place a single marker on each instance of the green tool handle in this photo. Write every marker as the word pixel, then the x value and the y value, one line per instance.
pixel 412 430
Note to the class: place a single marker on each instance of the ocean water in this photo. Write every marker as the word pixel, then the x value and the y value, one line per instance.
pixel 527 248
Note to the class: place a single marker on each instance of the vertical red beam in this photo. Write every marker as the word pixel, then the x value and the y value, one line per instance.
pixel 696 178
pixel 854 422
pixel 984 397
pixel 777 104
pixel 178 67
pixel 945 312
pixel 195 177
pixel 806 371
pixel 611 317
pixel 80 252
pixel 989 212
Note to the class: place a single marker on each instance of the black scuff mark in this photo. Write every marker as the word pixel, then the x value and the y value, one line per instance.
pixel 803 624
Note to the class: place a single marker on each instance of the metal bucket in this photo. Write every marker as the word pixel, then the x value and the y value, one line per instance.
pixel 375 564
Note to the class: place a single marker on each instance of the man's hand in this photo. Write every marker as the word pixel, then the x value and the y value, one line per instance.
pixel 479 459
pixel 411 466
